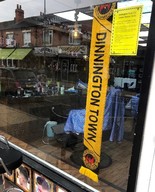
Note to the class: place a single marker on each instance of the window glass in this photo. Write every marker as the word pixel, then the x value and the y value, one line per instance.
pixel 27 38
pixel 45 105
pixel 10 40
pixel 48 35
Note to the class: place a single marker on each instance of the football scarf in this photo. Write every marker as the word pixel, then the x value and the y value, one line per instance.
pixel 97 90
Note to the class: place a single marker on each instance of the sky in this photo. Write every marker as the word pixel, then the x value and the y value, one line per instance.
pixel 34 7
pixel 30 7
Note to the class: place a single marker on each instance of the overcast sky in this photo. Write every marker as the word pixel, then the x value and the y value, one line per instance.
pixel 34 7
pixel 30 7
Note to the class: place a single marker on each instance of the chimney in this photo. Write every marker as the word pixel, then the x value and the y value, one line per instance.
pixel 19 14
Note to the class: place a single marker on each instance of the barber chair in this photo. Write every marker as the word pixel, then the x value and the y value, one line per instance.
pixel 59 113
pixel 71 140
pixel 113 128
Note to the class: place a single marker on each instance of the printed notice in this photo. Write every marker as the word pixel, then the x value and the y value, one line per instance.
pixel 125 31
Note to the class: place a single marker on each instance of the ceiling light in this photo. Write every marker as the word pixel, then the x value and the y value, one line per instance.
pixel 76 32
pixel 140 39
pixel 85 57
pixel 146 25
pixel 70 15
pixel 146 18
pixel 143 33
pixel 143 44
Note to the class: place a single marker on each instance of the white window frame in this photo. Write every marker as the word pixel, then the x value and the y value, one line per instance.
pixel 146 169
pixel 48 37
pixel 10 41
pixel 26 38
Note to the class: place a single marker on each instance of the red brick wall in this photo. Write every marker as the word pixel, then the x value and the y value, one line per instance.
pixel 19 14
pixel 60 38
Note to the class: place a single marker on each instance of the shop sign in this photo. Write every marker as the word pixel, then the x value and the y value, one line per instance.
pixel 72 50
pixel 125 30
pixel 97 89
pixel 48 51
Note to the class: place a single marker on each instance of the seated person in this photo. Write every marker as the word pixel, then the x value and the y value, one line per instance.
pixel 113 116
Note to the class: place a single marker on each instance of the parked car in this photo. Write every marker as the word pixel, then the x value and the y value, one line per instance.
pixel 17 81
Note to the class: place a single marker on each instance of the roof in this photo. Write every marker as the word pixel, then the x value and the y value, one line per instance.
pixel 6 24
pixel 33 21
pixel 24 24
pixel 27 22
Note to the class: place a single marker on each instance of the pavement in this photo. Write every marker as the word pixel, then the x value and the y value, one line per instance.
pixel 20 124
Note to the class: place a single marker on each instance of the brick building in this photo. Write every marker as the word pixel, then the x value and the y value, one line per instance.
pixel 29 32
pixel 35 41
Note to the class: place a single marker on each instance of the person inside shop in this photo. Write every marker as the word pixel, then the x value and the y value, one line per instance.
pixel 42 185
pixel 23 177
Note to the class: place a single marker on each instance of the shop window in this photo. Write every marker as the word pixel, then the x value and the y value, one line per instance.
pixel 36 105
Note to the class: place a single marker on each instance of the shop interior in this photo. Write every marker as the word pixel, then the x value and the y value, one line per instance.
pixel 38 121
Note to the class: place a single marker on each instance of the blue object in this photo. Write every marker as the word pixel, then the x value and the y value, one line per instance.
pixel 134 105
pixel 48 126
pixel 113 116
pixel 81 84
